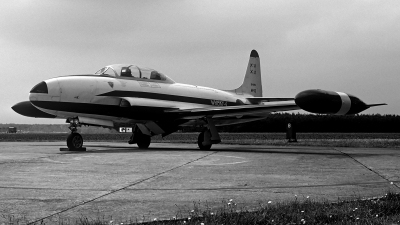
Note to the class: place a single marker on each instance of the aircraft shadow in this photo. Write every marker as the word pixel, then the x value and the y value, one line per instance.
pixel 104 149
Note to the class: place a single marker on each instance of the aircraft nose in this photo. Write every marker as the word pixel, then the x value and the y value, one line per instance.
pixel 48 90
pixel 40 88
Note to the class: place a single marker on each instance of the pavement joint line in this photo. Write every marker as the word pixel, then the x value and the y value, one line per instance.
pixel 383 177
pixel 203 189
pixel 120 189
pixel 32 160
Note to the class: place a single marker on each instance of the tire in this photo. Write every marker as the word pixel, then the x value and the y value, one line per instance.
pixel 200 140
pixel 143 141
pixel 75 141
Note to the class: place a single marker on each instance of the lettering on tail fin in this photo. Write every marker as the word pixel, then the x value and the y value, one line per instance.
pixel 253 68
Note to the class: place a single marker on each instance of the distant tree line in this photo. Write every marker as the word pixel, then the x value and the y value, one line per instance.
pixel 54 128
pixel 277 122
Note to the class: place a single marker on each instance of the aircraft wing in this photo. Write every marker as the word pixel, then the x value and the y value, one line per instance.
pixel 228 111
pixel 257 100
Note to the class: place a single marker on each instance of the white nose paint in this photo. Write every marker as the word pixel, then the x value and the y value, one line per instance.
pixel 346 103
pixel 52 95
pixel 54 89
pixel 80 89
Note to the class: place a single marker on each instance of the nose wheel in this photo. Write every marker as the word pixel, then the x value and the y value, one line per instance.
pixel 75 141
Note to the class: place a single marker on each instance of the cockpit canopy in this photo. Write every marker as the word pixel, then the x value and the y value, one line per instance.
pixel 134 72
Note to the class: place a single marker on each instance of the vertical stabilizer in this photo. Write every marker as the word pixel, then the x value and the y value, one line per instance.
pixel 252 86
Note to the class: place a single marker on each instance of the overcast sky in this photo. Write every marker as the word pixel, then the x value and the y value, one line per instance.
pixel 347 46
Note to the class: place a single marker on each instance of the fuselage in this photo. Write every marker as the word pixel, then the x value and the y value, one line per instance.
pixel 149 101
pixel 121 99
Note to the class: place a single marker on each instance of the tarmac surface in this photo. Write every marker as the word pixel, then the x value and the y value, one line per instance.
pixel 119 182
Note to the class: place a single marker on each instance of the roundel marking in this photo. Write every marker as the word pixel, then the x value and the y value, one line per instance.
pixel 346 103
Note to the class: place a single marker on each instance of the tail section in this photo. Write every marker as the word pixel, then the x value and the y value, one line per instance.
pixel 252 86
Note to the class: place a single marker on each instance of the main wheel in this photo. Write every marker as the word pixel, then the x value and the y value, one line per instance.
pixel 143 141
pixel 200 140
pixel 74 141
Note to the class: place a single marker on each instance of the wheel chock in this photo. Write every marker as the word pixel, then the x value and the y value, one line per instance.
pixel 73 149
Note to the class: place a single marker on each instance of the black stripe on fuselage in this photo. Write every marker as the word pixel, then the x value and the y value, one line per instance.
pixel 133 112
pixel 166 97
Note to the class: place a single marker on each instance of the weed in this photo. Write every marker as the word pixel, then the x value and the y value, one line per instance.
pixel 382 210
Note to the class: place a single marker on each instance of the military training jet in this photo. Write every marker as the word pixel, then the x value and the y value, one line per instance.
pixel 153 104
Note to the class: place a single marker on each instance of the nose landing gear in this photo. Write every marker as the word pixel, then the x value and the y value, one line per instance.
pixel 74 140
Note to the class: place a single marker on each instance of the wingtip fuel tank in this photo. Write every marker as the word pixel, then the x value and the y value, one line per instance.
pixel 27 109
pixel 330 102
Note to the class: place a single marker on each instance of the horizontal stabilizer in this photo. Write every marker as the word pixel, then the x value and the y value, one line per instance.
pixel 257 100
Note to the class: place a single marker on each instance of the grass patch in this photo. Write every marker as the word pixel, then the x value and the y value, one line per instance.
pixel 383 210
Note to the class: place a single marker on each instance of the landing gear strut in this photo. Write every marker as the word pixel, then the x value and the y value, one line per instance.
pixel 142 140
pixel 209 136
pixel 74 140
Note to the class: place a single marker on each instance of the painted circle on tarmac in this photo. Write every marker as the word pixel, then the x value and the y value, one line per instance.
pixel 221 160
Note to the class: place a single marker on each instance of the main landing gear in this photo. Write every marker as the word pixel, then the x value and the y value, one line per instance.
pixel 200 140
pixel 209 136
pixel 74 140
pixel 142 140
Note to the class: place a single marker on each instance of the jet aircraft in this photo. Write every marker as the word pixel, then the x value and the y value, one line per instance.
pixel 154 104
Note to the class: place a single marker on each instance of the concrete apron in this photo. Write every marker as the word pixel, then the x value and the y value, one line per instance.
pixel 118 181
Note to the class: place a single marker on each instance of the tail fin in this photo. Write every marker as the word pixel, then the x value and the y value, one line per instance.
pixel 252 86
